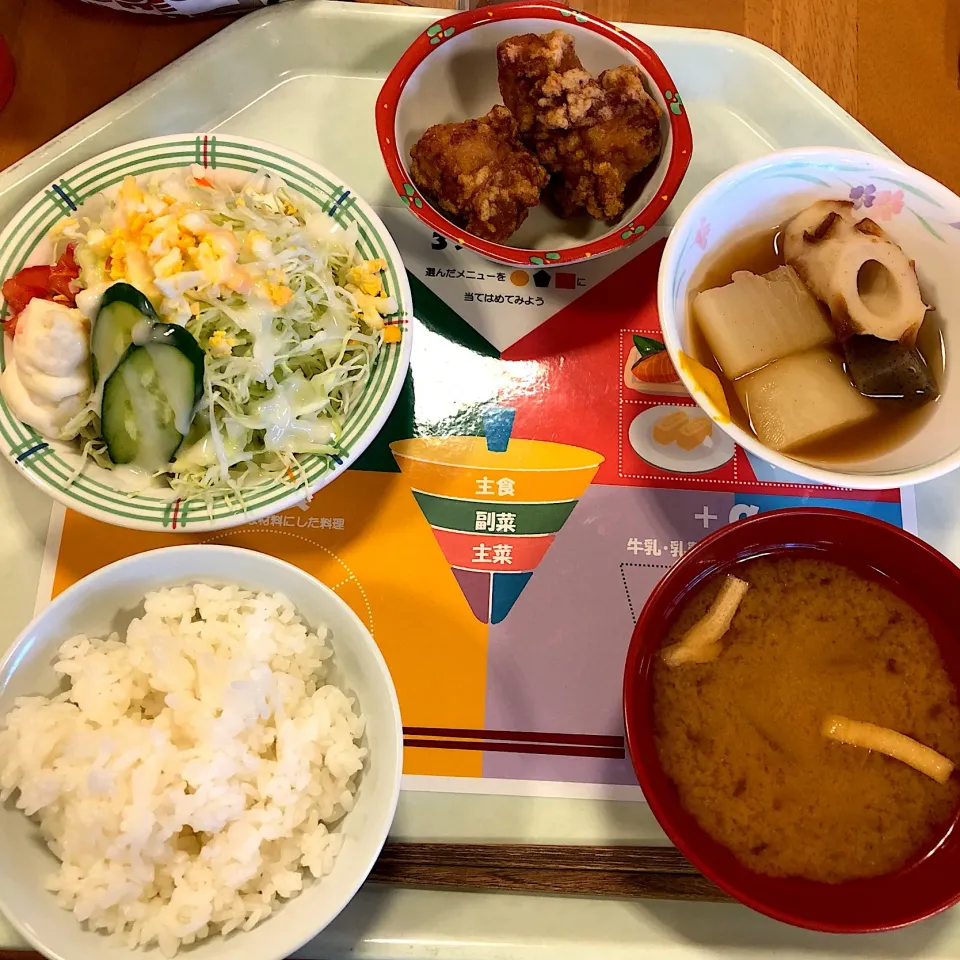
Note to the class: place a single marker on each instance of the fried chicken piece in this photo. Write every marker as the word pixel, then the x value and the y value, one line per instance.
pixel 593 135
pixel 524 63
pixel 594 160
pixel 480 172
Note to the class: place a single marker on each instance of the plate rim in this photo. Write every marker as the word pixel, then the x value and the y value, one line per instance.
pixel 169 516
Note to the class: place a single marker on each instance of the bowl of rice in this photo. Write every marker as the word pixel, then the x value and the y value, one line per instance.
pixel 200 746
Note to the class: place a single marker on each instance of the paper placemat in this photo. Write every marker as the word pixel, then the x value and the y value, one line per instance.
pixel 502 588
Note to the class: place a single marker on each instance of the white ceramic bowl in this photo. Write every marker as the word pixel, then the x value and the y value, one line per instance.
pixel 108 598
pixel 919 213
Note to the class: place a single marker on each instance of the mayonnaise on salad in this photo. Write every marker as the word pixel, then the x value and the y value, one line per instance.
pixel 46 381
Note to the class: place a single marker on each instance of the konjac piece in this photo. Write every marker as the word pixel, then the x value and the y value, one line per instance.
pixel 480 173
pixel 802 398
pixel 885 368
pixel 756 319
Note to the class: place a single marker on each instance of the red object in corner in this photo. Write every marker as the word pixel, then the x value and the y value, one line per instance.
pixel 7 73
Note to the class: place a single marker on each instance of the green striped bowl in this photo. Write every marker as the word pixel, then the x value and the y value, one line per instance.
pixel 97 492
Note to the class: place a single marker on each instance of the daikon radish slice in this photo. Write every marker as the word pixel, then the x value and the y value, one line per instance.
pixel 856 733
pixel 701 643
pixel 756 319
pixel 803 398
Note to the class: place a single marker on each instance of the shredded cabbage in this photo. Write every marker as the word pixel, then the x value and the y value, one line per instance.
pixel 288 313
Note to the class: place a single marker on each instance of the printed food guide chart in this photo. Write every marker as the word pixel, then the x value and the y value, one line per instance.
pixel 542 470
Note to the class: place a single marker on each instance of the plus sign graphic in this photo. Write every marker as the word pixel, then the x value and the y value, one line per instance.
pixel 706 517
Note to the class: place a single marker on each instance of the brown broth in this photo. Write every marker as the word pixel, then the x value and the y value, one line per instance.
pixel 895 421
pixel 740 736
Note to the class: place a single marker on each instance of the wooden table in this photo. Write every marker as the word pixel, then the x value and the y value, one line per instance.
pixel 893 64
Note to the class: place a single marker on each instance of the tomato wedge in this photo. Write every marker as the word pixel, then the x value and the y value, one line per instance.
pixel 43 282
pixel 65 271
pixel 21 288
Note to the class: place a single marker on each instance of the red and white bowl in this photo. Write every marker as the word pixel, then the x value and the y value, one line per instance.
pixel 449 74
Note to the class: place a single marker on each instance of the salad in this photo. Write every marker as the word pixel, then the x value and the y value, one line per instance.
pixel 197 334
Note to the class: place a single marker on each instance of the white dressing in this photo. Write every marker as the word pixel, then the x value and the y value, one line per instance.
pixel 47 379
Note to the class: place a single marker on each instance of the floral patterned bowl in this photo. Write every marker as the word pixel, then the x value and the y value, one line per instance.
pixel 919 213
pixel 449 74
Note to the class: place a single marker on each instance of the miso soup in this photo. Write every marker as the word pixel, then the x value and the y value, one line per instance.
pixel 741 735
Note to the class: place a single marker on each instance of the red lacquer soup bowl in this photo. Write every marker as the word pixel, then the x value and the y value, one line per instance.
pixel 917 573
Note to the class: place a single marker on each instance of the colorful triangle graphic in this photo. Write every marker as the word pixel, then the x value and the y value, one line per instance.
pixel 494 512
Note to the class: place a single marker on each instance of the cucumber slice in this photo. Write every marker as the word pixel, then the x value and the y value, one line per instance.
pixel 172 335
pixel 150 398
pixel 121 309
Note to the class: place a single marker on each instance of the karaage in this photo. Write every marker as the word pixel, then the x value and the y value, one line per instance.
pixel 595 161
pixel 480 172
pixel 524 63
pixel 593 135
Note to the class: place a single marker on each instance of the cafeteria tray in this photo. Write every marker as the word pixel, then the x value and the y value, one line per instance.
pixel 306 75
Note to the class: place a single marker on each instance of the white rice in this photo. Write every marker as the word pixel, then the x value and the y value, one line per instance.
pixel 187 778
